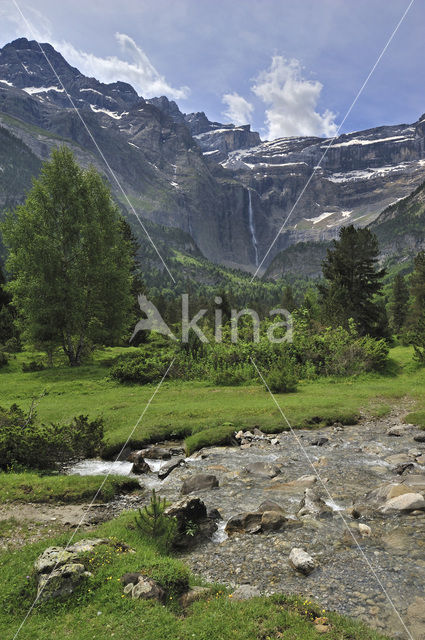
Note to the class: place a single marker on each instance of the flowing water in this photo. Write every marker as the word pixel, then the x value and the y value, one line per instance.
pixel 351 571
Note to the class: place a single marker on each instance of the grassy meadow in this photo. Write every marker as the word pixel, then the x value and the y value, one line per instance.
pixel 184 409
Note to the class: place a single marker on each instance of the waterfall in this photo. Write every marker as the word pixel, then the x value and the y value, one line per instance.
pixel 252 227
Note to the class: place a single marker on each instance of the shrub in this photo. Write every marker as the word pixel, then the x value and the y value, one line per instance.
pixel 282 381
pixel 27 444
pixel 154 525
pixel 3 359
pixel 34 365
pixel 141 368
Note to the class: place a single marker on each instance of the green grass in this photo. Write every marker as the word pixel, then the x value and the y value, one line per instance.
pixel 99 609
pixel 182 408
pixel 416 417
pixel 31 487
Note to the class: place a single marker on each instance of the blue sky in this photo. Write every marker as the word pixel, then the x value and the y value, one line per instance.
pixel 290 67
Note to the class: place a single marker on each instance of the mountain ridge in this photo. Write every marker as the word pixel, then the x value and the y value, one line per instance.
pixel 218 183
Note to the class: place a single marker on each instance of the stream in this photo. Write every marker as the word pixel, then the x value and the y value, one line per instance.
pixel 352 571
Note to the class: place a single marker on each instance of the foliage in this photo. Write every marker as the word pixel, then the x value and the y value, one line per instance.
pixel 335 351
pixel 352 281
pixel 399 303
pixel 417 339
pixel 28 444
pixel 32 366
pixel 417 287
pixel 70 265
pixel 3 359
pixel 152 523
pixel 280 380
pixel 143 367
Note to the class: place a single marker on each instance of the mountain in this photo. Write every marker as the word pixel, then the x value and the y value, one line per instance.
pixel 218 184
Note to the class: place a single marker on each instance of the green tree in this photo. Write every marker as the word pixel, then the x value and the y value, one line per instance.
pixel 70 264
pixel 352 282
pixel 399 303
pixel 417 288
pixel 7 328
pixel 288 300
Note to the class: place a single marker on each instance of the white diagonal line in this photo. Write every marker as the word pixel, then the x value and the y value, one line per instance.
pixel 317 474
pixel 96 495
pixel 111 171
pixel 317 166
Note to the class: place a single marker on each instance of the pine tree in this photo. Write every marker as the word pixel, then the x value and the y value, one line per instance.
pixel 417 288
pixel 352 282
pixel 399 303
pixel 70 265
pixel 288 300
pixel 7 328
pixel 153 524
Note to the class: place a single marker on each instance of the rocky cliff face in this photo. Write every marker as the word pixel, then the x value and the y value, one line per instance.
pixel 216 182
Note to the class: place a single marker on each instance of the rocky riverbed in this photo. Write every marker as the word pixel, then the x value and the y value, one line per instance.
pixel 346 497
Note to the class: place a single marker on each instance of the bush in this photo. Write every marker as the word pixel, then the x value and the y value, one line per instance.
pixel 25 444
pixel 140 368
pixel 34 365
pixel 282 381
pixel 3 359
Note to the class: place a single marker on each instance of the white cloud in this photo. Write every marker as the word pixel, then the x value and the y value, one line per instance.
pixel 291 101
pixel 239 110
pixel 139 71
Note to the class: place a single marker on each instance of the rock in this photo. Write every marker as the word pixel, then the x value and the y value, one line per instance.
pixel 158 453
pixel 365 530
pixel 141 466
pixel 319 442
pixel 199 482
pixel 313 505
pixel 87 545
pixel 135 455
pixel 245 592
pixel 269 505
pixel 397 490
pixel 263 469
pixel 52 557
pixel 147 589
pixel 128 588
pixel 239 435
pixel 249 522
pixel 405 502
pixel 274 441
pixel 398 458
pixel 322 628
pixel 169 467
pixel 301 561
pixel 130 578
pixel 398 431
pixel 257 432
pixel 402 468
pixel 193 523
pixel 420 437
pixel 194 594
pixel 416 618
pixel 421 459
pixel 62 581
pixel 187 509
pixel 273 521
pixel 214 514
